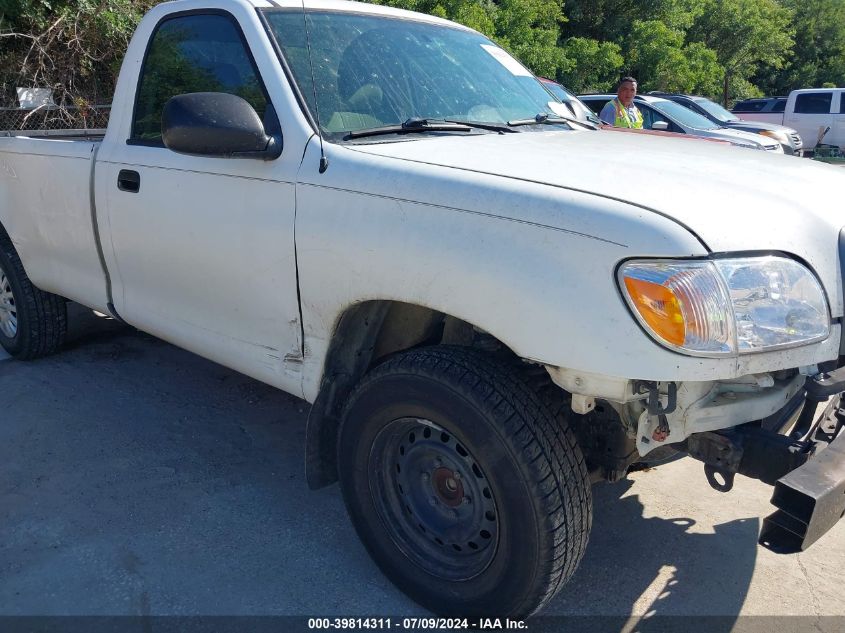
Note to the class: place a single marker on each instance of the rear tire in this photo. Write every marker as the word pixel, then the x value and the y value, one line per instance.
pixel 33 323
pixel 463 487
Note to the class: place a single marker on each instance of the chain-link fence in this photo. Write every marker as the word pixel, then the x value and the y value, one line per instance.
pixel 55 118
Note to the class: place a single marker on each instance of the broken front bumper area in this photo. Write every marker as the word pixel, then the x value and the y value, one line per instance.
pixel 806 467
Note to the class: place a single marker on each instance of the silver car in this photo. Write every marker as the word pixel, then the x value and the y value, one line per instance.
pixel 663 114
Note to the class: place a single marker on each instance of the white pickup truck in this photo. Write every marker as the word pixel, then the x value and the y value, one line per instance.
pixel 490 308
pixel 818 114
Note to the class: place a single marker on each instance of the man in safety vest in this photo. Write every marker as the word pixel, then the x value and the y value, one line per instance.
pixel 621 112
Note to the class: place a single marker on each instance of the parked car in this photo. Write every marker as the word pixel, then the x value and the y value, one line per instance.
pixel 488 308
pixel 663 114
pixel 578 109
pixel 818 114
pixel 789 139
pixel 581 111
pixel 763 105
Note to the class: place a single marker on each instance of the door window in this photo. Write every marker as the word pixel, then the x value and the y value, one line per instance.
pixel 750 105
pixel 842 103
pixel 813 103
pixel 193 53
pixel 650 116
pixel 595 105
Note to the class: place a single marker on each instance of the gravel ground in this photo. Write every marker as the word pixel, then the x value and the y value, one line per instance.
pixel 138 479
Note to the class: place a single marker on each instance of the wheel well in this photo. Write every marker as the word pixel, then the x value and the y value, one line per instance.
pixel 366 335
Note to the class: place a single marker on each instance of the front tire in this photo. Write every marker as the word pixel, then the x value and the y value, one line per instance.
pixel 466 491
pixel 33 323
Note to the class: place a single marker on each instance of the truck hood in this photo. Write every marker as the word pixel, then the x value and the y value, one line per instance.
pixel 732 199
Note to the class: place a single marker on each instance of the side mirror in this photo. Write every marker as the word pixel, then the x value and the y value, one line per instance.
pixel 216 124
pixel 660 125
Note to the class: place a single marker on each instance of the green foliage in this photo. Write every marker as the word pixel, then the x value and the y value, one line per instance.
pixel 745 34
pixel 612 19
pixel 657 55
pixel 593 66
pixel 695 45
pixel 819 53
pixel 530 29
pixel 72 46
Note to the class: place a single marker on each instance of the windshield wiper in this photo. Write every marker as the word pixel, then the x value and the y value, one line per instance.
pixel 413 125
pixel 548 119
pixel 483 125
pixel 590 125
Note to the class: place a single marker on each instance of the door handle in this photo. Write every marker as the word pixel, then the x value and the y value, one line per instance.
pixel 128 180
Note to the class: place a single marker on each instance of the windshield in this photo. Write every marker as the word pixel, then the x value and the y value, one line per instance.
pixel 372 71
pixel 682 115
pixel 715 110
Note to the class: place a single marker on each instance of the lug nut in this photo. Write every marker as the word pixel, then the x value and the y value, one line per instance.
pixel 466 501
pixel 425 476
pixel 433 501
pixel 457 475
pixel 438 462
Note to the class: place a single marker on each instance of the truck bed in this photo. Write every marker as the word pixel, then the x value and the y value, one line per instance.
pixel 58 135
pixel 50 177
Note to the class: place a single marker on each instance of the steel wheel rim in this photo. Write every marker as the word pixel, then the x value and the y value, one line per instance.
pixel 8 310
pixel 433 499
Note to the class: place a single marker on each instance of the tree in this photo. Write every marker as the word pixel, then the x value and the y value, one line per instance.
pixel 593 65
pixel 819 53
pixel 530 30
pixel 744 34
pixel 74 47
pixel 657 55
pixel 612 19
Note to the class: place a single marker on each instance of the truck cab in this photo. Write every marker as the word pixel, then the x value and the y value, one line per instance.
pixel 818 114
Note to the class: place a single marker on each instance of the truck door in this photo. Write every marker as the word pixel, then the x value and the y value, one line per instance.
pixel 203 248
pixel 811 116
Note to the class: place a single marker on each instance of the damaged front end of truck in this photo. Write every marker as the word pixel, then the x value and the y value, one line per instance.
pixel 784 427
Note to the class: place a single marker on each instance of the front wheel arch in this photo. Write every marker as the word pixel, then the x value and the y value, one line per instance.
pixel 367 334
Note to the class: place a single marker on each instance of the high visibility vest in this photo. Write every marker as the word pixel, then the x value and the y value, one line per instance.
pixel 622 118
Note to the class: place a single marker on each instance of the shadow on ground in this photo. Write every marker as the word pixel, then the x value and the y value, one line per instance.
pixel 655 567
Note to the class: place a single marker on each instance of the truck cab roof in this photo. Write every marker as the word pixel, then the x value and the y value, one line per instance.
pixel 347 6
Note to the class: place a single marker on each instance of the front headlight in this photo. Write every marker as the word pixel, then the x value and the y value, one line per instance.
pixel 726 306
pixel 780 137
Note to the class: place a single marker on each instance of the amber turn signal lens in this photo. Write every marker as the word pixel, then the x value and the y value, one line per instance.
pixel 683 305
pixel 659 308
